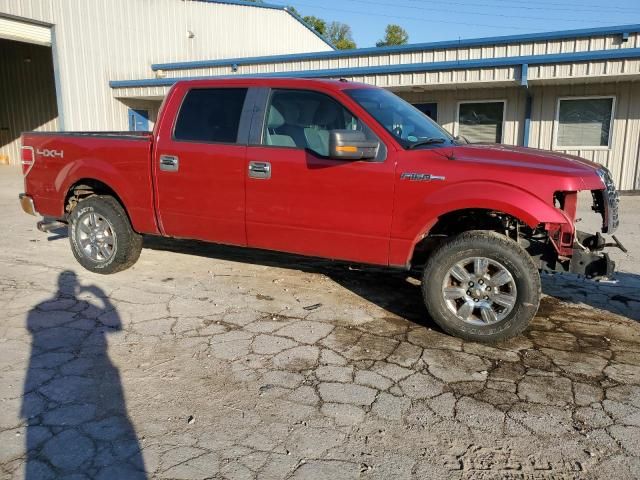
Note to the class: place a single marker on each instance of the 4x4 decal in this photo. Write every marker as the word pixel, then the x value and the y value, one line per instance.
pixel 50 153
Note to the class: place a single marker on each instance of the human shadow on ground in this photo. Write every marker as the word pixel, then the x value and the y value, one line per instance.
pixel 73 402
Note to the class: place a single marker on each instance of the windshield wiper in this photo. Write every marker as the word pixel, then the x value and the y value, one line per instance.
pixel 426 141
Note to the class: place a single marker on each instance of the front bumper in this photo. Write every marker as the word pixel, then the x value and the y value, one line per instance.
pixel 591 265
pixel 26 202
pixel 587 257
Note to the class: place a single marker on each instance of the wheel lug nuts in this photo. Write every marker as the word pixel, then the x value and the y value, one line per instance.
pixel 486 298
pixel 468 292
pixel 480 282
pixel 488 289
pixel 476 299
pixel 471 284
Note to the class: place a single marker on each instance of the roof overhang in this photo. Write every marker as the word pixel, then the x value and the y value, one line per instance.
pixel 415 68
pixel 415 47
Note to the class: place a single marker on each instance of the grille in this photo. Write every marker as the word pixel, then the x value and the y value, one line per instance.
pixel 610 201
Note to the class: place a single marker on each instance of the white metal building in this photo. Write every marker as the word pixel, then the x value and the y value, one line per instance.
pixel 575 91
pixel 58 56
pixel 107 65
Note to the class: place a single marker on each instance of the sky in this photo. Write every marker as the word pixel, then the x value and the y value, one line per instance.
pixel 434 20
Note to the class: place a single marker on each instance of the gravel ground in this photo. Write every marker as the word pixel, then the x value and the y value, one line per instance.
pixel 214 362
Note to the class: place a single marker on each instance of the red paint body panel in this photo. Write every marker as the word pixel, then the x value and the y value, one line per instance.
pixel 322 207
pixel 122 164
pixel 205 198
pixel 352 210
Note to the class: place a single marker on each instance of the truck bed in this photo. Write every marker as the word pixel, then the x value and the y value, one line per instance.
pixel 120 160
pixel 98 134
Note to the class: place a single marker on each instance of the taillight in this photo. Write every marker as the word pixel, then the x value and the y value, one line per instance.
pixel 28 158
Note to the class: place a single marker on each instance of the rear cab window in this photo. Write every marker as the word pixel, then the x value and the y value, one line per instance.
pixel 210 115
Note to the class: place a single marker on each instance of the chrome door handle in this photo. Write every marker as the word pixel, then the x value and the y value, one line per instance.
pixel 259 170
pixel 169 163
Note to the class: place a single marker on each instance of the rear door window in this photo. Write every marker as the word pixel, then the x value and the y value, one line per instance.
pixel 210 115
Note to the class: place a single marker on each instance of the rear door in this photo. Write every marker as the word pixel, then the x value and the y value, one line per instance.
pixel 299 199
pixel 199 165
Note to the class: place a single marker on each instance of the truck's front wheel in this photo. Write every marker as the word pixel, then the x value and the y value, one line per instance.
pixel 101 236
pixel 481 286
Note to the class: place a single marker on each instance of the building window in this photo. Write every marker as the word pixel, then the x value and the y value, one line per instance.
pixel 481 122
pixel 210 115
pixel 429 109
pixel 584 122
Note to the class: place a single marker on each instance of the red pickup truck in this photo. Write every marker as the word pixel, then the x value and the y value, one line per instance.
pixel 330 169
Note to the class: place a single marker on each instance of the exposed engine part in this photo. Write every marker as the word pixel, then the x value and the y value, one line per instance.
pixel 597 242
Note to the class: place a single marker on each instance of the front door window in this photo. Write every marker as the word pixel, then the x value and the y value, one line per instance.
pixel 303 119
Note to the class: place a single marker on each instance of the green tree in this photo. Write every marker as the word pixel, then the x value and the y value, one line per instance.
pixel 339 34
pixel 393 35
pixel 318 24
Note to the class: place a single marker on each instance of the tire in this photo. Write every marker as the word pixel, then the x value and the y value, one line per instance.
pixel 498 310
pixel 101 236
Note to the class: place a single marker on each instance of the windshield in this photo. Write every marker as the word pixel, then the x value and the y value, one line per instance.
pixel 407 124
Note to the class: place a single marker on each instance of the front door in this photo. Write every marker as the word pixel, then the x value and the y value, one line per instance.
pixel 200 167
pixel 300 200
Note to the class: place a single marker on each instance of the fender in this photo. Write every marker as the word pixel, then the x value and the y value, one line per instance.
pixel 415 221
pixel 135 196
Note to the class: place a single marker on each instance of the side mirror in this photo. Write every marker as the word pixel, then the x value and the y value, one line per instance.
pixel 351 145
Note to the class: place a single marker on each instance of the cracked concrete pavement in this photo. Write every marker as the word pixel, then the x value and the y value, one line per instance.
pixel 214 362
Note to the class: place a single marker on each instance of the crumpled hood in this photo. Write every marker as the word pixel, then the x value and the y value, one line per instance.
pixel 526 158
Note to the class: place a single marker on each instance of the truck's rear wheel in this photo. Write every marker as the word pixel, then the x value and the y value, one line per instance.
pixel 481 286
pixel 101 236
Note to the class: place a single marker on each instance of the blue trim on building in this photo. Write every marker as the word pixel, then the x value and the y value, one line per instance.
pixel 474 42
pixel 408 68
pixel 271 6
pixel 242 3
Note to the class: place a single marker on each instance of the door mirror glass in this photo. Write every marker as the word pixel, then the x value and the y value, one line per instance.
pixel 352 145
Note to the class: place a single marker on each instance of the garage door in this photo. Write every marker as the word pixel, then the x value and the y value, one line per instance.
pixel 20 31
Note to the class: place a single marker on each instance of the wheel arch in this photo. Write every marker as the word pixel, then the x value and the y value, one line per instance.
pixel 455 222
pixel 142 220
pixel 481 197
pixel 86 187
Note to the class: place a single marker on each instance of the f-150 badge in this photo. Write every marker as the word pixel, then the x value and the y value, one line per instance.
pixel 420 177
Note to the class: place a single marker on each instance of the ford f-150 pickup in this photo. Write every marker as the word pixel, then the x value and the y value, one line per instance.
pixel 331 169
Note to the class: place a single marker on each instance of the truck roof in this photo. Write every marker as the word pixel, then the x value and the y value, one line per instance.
pixel 273 82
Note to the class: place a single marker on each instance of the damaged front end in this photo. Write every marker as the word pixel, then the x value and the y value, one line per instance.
pixel 569 250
